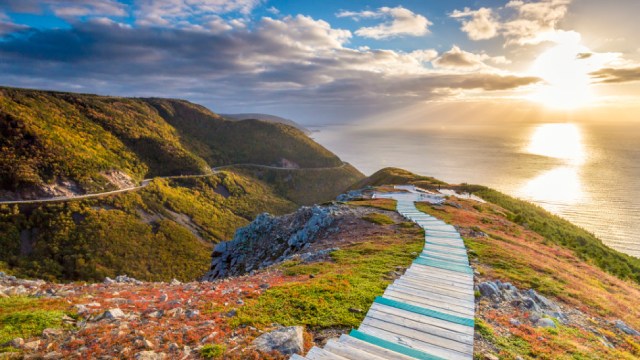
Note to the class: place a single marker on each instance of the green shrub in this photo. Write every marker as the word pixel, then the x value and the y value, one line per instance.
pixel 212 351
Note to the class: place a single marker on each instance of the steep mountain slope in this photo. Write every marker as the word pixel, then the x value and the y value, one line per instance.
pixel 55 143
pixel 163 231
pixel 62 144
pixel 267 118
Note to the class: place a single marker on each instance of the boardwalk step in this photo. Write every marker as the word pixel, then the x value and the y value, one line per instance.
pixel 412 353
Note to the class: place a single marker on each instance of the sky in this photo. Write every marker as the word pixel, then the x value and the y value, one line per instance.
pixel 326 62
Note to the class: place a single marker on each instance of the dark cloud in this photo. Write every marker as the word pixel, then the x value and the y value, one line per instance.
pixel 617 75
pixel 289 62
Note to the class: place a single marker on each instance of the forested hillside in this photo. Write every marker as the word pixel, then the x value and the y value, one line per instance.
pixel 57 143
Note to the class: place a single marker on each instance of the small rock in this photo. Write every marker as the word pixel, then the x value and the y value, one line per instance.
pixel 515 322
pixel 53 355
pixel 286 340
pixel 163 298
pixel 546 323
pixel 175 312
pixel 51 333
pixel 232 313
pixel 150 355
pixel 16 343
pixel 192 313
pixel 264 286
pixel 148 344
pixel 490 357
pixel 355 310
pixel 625 328
pixel 175 282
pixel 112 314
pixel 32 345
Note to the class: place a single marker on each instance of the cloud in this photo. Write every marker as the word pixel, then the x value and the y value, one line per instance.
pixel 458 59
pixel 68 8
pixel 518 22
pixel 294 61
pixel 617 75
pixel 479 24
pixel 398 22
pixel 184 13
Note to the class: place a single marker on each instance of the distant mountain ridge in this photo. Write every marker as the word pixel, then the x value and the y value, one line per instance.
pixel 268 118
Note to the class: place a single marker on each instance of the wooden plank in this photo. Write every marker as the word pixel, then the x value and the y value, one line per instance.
pixel 441 273
pixel 432 286
pixel 424 279
pixel 447 253
pixel 413 343
pixel 457 251
pixel 435 322
pixel 435 305
pixel 418 334
pixel 464 302
pixel 297 357
pixel 350 352
pixel 464 269
pixel 465 299
pixel 445 272
pixel 395 346
pixel 425 327
pixel 372 349
pixel 464 262
pixel 446 257
pixel 317 353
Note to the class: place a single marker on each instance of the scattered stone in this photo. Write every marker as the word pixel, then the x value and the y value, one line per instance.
pixel 53 355
pixel 16 343
pixel 192 313
pixel 620 325
pixel 150 355
pixel 32 345
pixel 356 310
pixel 112 314
pixel 546 323
pixel 286 340
pixel 163 298
pixel 264 286
pixel 515 322
pixel 175 282
pixel 490 357
pixel 175 312
pixel 147 344
pixel 51 333
pixel 232 313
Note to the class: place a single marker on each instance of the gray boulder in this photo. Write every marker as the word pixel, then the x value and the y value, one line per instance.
pixel 546 323
pixel 625 328
pixel 286 340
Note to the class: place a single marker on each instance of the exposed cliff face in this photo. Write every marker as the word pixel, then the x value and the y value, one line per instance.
pixel 270 239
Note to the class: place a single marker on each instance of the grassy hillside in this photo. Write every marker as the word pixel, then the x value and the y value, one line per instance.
pixel 72 140
pixel 553 228
pixel 305 186
pixel 395 176
pixel 162 232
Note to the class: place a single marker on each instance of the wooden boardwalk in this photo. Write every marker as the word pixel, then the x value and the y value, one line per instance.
pixel 428 313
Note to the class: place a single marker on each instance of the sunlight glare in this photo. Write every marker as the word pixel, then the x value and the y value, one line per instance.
pixel 559 141
pixel 566 76
pixel 560 185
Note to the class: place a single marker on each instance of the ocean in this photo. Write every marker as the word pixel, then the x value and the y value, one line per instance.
pixel 587 173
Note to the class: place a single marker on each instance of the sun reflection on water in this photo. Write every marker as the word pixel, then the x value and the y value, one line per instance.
pixel 561 185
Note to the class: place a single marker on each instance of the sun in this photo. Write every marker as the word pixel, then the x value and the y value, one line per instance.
pixel 565 72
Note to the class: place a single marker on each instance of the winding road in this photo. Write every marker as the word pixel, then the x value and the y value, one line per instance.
pixel 144 183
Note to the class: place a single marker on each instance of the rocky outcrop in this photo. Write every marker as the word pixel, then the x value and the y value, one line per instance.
pixel 528 300
pixel 268 240
pixel 286 340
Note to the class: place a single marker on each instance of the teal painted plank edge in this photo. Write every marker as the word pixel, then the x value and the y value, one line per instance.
pixel 438 258
pixel 450 246
pixel 444 265
pixel 393 346
pixel 423 311
pixel 439 251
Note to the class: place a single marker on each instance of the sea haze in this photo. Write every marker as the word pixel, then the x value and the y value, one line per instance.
pixel 586 173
